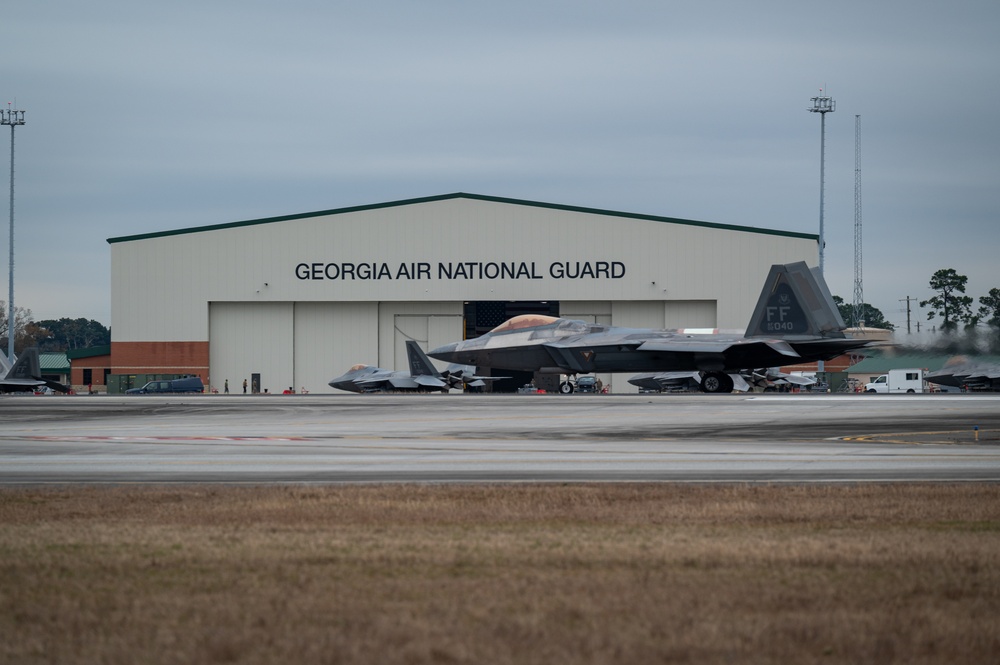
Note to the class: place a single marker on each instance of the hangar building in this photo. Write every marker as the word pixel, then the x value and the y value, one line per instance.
pixel 293 301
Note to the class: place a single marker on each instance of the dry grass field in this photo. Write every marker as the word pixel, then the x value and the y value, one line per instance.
pixel 614 573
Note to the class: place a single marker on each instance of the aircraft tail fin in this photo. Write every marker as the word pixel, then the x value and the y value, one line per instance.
pixel 795 301
pixel 27 366
pixel 420 364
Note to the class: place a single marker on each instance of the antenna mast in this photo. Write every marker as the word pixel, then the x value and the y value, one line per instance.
pixel 859 294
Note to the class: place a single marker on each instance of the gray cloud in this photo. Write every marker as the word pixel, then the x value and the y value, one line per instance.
pixel 144 118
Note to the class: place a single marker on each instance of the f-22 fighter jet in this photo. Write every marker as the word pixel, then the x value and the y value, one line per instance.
pixel 795 321
pixel 422 377
pixel 26 375
pixel 963 372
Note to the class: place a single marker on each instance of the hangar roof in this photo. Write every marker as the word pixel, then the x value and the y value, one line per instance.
pixel 461 195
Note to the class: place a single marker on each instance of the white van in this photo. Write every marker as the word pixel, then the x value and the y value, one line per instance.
pixel 898 381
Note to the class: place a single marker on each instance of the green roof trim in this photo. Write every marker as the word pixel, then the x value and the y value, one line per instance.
pixel 53 362
pixel 881 364
pixel 460 195
pixel 89 352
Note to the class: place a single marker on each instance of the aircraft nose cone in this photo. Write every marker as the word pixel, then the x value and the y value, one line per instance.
pixel 343 382
pixel 447 352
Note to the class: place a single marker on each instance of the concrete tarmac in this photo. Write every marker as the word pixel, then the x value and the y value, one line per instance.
pixel 503 438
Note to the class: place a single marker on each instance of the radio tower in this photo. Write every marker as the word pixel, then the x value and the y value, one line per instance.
pixel 859 294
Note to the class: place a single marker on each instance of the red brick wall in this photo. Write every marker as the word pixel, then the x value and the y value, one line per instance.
pixel 160 358
pixel 838 364
pixel 96 363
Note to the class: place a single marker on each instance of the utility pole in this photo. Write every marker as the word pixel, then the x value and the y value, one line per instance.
pixel 822 105
pixel 907 301
pixel 13 118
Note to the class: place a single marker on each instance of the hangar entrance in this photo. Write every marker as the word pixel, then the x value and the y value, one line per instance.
pixel 483 316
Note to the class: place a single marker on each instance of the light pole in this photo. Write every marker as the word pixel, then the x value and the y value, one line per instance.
pixel 12 118
pixel 822 105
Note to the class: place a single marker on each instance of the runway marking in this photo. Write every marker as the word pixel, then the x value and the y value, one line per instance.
pixel 141 439
pixel 964 437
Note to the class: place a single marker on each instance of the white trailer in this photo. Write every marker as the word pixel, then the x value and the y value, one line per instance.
pixel 898 381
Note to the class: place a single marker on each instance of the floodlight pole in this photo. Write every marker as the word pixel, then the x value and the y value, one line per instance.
pixel 822 105
pixel 12 118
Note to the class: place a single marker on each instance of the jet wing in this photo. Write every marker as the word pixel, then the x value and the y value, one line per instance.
pixel 21 384
pixel 797 379
pixel 683 345
pixel 428 381
pixel 399 382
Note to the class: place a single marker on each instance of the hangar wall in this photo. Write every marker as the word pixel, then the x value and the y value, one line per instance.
pixel 302 298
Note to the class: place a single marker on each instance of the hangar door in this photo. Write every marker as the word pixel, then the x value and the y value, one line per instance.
pixel 665 313
pixel 428 331
pixel 247 339
pixel 330 337
pixel 430 324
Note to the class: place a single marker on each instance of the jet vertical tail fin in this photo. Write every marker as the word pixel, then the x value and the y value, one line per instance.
pixel 420 364
pixel 795 301
pixel 27 366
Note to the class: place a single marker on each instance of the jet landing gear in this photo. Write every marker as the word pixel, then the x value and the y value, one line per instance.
pixel 716 382
pixel 566 388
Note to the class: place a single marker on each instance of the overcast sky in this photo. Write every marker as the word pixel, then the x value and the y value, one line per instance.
pixel 144 117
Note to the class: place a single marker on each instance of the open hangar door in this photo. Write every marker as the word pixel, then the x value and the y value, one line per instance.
pixel 482 316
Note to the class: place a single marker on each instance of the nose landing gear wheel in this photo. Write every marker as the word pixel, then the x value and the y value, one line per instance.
pixel 566 388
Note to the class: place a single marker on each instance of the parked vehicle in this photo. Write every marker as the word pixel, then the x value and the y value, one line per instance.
pixel 898 381
pixel 581 384
pixel 189 384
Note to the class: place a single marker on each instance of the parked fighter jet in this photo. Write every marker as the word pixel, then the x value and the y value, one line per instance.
pixel 795 320
pixel 422 377
pixel 961 372
pixel 26 375
pixel 456 375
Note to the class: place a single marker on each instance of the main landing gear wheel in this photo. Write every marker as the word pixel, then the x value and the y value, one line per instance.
pixel 716 382
pixel 566 388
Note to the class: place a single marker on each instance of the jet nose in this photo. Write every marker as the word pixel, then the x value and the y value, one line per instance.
pixel 448 352
pixel 342 383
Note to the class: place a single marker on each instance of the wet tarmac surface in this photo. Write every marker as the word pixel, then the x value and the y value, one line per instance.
pixel 510 438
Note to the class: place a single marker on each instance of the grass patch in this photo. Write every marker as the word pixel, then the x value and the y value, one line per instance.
pixel 501 574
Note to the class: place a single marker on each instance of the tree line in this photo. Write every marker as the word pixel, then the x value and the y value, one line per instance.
pixel 51 335
pixel 955 308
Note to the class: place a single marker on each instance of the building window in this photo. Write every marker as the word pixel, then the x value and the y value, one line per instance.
pixel 88 376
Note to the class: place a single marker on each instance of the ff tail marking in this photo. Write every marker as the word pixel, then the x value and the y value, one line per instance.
pixel 795 301
pixel 27 366
pixel 420 364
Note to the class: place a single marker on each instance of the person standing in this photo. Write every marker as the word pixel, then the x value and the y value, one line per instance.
pixel 226 389
pixel 244 386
